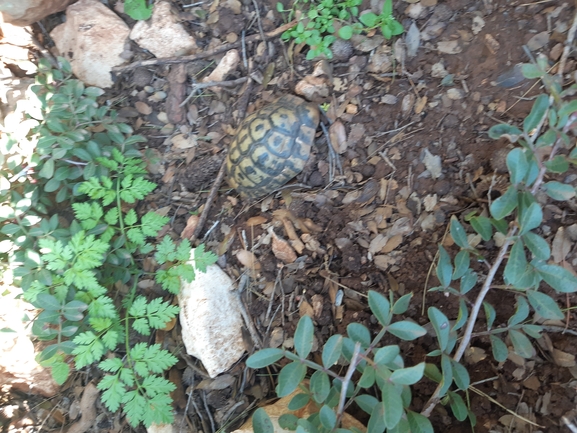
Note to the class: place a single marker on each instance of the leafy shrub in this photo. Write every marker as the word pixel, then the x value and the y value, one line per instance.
pixel 546 149
pixel 380 366
pixel 82 267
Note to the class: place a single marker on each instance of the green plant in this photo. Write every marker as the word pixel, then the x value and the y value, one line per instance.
pixel 321 21
pixel 385 21
pixel 379 366
pixel 82 267
pixel 138 9
pixel 547 149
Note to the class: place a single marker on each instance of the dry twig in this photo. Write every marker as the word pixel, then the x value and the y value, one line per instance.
pixel 202 55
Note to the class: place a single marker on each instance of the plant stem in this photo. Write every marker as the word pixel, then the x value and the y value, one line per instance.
pixel 434 399
pixel 355 360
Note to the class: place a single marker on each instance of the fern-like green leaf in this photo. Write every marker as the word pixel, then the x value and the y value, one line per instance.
pixel 160 410
pixel 165 251
pixel 88 213
pixel 111 365
pixel 100 324
pixel 203 258
pixel 183 250
pixel 110 339
pixel 89 251
pixel 111 216
pixel 55 254
pixel 169 279
pixel 160 313
pixel 152 358
pixel 130 218
pixel 135 188
pixel 114 391
pixel 135 407
pixel 152 223
pixel 135 235
pixel 89 349
pixel 141 326
pixel 127 376
pixel 103 306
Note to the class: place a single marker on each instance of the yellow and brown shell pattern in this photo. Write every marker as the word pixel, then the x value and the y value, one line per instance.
pixel 272 146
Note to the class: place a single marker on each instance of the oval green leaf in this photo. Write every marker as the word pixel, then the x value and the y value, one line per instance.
pixel 290 377
pixel 380 307
pixel 303 337
pixel 544 305
pixel 332 350
pixel 264 357
pixel 261 422
pixel 406 330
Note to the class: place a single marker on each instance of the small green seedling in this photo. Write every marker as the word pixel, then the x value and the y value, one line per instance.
pixel 321 22
pixel 385 21
pixel 138 9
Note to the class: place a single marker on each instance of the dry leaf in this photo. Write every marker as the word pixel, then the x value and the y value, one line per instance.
pixel 392 243
pixel 492 44
pixel 532 383
pixel 430 201
pixel 338 137
pixel 563 359
pixel 449 47
pixel 191 224
pixel 169 174
pixel 312 244
pixel 473 355
pixel 282 249
pixel 561 246
pixel 383 262
pixel 317 301
pixel 182 141
pixel 305 309
pixel 420 105
pixel 256 221
pixel 312 88
pixel 248 259
pixel 377 244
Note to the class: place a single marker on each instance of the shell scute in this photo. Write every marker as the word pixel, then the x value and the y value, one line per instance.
pixel 272 146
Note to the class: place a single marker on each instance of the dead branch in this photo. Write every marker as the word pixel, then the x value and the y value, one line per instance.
pixel 202 55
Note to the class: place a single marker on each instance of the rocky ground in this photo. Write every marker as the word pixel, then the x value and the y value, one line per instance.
pixel 414 151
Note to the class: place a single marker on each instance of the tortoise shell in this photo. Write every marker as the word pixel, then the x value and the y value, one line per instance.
pixel 271 146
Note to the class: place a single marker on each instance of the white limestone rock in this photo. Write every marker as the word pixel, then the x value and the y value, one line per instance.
pixel 25 12
pixel 93 39
pixel 162 35
pixel 210 315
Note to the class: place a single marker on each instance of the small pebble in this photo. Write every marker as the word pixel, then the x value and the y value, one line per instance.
pixel 389 99
pixel 450 121
pixel 455 94
pixel 368 170
pixel 438 70
pixel 382 169
pixel 442 187
pixel 538 41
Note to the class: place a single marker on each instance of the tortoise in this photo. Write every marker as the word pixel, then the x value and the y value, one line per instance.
pixel 272 146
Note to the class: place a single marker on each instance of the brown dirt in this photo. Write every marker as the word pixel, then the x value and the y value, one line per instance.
pixel 455 130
